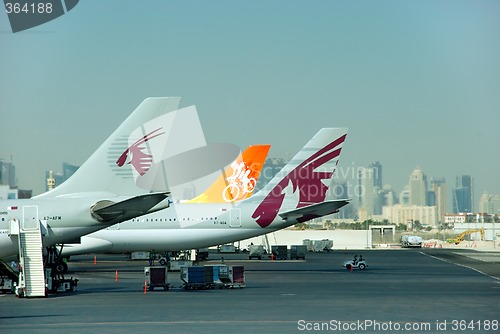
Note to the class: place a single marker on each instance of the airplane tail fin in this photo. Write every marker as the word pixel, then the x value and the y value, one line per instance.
pixel 298 191
pixel 238 180
pixel 106 171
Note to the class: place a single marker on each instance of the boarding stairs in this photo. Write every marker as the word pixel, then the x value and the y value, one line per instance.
pixel 31 273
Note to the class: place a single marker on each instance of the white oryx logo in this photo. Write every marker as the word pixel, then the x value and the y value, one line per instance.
pixel 239 183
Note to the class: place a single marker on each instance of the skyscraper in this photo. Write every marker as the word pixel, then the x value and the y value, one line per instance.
pixel 489 203
pixel 370 184
pixel 377 173
pixel 438 188
pixel 366 182
pixel 463 194
pixel 417 187
pixel 7 174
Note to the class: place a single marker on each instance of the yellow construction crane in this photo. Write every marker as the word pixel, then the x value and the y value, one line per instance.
pixel 462 235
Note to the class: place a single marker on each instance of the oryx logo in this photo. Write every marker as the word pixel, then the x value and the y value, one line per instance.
pixel 139 158
pixel 303 178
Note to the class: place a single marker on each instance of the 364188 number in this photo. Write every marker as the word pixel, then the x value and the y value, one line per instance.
pixel 33 8
pixel 473 325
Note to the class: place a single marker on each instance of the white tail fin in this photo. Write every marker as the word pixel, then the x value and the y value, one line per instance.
pixel 105 171
pixel 304 181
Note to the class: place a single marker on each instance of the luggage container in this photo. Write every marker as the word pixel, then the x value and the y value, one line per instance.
pixel 280 252
pixel 176 265
pixel 202 254
pixel 216 270
pixel 194 277
pixel 227 249
pixel 238 277
pixel 209 275
pixel 156 277
pixel 255 251
pixel 298 252
pixel 6 284
pixel 324 245
pixel 233 276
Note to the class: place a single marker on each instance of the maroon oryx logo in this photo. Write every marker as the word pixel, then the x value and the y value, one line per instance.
pixel 303 178
pixel 139 159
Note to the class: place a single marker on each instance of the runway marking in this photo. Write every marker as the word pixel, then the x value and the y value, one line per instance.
pixel 483 257
pixel 462 265
pixel 149 323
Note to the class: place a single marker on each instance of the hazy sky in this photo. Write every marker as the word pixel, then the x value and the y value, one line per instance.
pixel 416 82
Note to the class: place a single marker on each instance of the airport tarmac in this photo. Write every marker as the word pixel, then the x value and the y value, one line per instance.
pixel 412 290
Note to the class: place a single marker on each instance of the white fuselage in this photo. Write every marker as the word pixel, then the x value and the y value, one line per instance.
pixel 179 227
pixel 62 220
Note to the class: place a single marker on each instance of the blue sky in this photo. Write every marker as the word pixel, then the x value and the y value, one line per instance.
pixel 416 82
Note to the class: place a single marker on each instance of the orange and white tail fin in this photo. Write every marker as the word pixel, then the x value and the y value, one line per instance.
pixel 238 180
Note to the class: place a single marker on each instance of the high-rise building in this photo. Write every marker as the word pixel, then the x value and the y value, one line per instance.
pixel 7 174
pixel 389 196
pixel 340 190
pixel 438 189
pixel 404 196
pixel 372 196
pixel 463 194
pixel 366 182
pixel 489 203
pixel 377 173
pixel 417 187
pixel 408 214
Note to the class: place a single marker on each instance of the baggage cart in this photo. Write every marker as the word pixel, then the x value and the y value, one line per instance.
pixel 232 276
pixel 255 251
pixel 298 252
pixel 176 265
pixel 156 277
pixel 280 252
pixel 195 277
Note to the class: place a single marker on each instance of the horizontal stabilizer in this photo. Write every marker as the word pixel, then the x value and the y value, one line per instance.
pixel 314 211
pixel 111 212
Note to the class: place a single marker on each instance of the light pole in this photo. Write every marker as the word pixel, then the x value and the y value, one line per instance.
pixel 494 232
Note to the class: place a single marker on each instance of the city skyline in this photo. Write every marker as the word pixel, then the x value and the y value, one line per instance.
pixel 430 191
pixel 416 82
